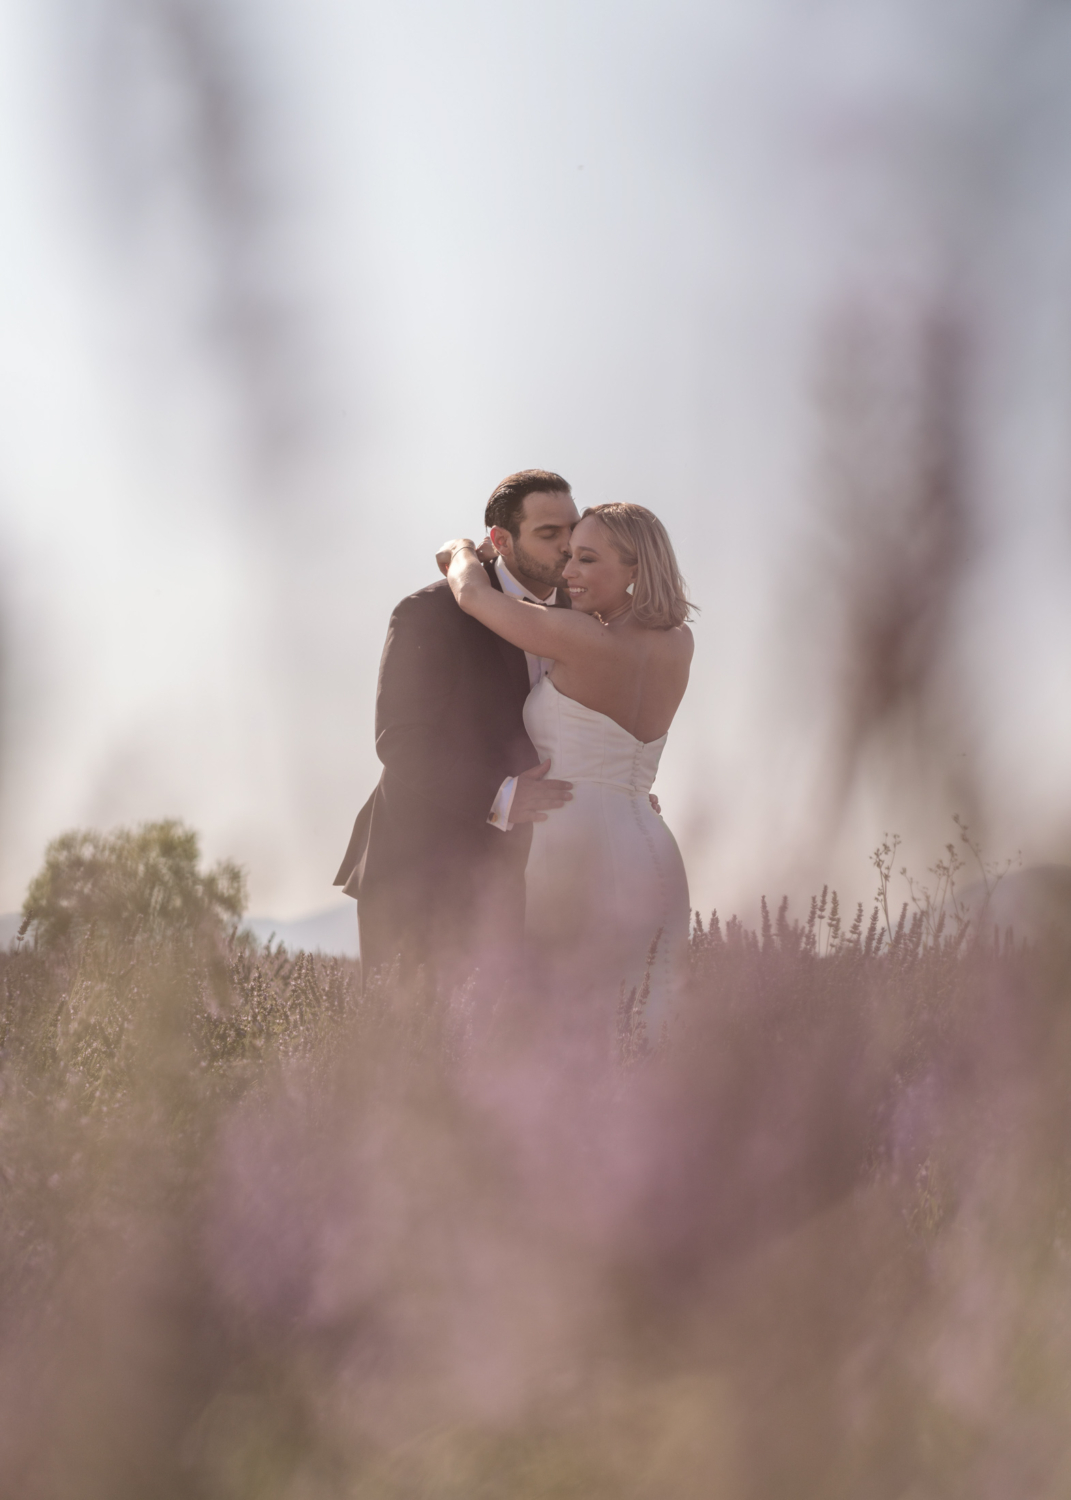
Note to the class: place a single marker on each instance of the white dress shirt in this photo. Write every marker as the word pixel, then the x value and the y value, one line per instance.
pixel 538 667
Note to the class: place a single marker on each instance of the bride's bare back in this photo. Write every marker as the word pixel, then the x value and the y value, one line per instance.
pixel 638 679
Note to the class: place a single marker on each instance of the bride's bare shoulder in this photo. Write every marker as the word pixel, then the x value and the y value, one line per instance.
pixel 675 644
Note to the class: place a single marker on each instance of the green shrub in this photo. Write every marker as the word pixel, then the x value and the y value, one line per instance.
pixel 130 881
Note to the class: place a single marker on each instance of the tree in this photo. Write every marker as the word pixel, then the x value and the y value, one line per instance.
pixel 130 881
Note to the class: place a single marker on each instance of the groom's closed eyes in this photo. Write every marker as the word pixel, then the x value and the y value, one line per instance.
pixel 536 550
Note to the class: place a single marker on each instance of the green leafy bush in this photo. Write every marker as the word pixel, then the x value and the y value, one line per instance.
pixel 130 881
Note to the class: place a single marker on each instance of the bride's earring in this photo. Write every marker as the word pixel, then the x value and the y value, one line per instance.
pixel 629 587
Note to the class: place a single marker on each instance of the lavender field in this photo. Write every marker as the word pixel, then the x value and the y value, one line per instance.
pixel 262 1237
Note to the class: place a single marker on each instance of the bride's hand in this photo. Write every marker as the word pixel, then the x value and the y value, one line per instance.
pixel 445 555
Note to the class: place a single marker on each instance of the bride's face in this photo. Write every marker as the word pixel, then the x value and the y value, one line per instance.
pixel 596 575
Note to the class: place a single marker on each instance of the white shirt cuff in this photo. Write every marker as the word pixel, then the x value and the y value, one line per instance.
pixel 502 806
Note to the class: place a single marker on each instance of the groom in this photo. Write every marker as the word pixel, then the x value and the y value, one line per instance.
pixel 437 855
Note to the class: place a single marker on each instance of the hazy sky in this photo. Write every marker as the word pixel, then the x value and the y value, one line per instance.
pixel 473 237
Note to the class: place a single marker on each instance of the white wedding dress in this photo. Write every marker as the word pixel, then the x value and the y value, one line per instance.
pixel 605 877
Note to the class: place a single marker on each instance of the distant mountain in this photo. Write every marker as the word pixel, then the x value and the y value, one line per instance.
pixel 333 931
pixel 9 926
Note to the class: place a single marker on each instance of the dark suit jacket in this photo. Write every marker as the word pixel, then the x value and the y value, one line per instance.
pixel 422 861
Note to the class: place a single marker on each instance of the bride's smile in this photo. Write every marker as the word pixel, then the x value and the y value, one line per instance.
pixel 596 575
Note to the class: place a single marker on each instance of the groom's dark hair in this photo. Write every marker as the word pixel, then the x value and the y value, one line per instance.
pixel 507 502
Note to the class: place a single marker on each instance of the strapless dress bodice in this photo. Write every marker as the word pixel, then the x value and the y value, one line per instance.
pixel 584 745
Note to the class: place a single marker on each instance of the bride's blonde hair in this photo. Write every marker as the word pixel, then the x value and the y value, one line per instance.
pixel 640 539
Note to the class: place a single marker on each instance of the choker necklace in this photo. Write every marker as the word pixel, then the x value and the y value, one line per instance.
pixel 615 616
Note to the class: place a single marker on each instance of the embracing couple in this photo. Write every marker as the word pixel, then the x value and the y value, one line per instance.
pixel 522 708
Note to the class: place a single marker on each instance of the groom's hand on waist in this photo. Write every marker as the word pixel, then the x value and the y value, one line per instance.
pixel 535 796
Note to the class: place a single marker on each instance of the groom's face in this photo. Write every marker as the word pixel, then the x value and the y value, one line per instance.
pixel 539 552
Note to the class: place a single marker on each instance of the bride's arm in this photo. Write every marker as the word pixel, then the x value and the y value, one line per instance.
pixel 556 633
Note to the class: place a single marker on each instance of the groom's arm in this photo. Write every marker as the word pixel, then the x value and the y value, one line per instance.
pixel 528 798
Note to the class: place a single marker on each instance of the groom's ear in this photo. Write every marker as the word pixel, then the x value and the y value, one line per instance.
pixel 501 539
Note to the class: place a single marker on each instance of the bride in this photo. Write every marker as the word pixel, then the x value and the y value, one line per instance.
pixel 605 880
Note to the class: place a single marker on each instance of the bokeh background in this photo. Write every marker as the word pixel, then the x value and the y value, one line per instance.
pixel 287 288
